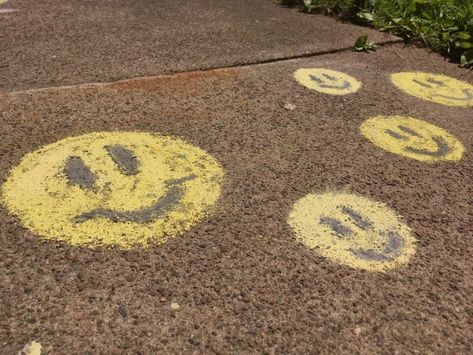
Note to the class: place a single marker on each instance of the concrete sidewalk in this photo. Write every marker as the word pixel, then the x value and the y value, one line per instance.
pixel 51 43
pixel 272 205
pixel 240 279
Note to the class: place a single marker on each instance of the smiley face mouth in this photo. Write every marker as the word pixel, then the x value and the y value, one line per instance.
pixel 322 83
pixel 442 150
pixel 391 249
pixel 171 198
pixel 468 96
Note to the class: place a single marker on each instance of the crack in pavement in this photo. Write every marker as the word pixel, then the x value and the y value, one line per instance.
pixel 380 45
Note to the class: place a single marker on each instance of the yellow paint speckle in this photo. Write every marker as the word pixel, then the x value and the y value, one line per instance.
pixel 124 189
pixel 33 348
pixel 327 81
pixel 412 138
pixel 436 88
pixel 352 230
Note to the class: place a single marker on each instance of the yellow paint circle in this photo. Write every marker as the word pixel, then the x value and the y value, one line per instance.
pixel 436 88
pixel 412 138
pixel 125 189
pixel 327 81
pixel 352 230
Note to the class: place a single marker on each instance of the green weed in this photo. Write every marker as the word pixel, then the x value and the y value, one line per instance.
pixel 444 25
pixel 362 44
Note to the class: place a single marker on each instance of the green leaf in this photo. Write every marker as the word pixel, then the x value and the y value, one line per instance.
pixel 462 35
pixel 362 44
pixel 368 16
pixel 467 58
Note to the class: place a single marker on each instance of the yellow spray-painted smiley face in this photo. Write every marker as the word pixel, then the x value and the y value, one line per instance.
pixel 352 230
pixel 436 88
pixel 113 188
pixel 327 81
pixel 412 138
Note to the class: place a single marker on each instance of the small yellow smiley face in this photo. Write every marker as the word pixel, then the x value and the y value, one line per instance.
pixel 412 138
pixel 113 188
pixel 327 81
pixel 352 230
pixel 436 88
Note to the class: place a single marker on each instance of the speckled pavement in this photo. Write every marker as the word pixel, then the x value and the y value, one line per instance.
pixel 242 279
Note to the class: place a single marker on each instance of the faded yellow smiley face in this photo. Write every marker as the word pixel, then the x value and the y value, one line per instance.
pixel 412 138
pixel 124 189
pixel 327 81
pixel 436 88
pixel 352 230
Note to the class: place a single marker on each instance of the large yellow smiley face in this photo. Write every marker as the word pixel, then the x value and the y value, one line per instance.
pixel 124 189
pixel 352 230
pixel 327 81
pixel 412 138
pixel 437 88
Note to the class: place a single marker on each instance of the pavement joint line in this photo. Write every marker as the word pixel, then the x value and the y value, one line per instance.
pixel 210 69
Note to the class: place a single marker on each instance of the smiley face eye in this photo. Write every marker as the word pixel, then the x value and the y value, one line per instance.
pixel 329 77
pixel 343 230
pixel 436 82
pixel 78 173
pixel 433 82
pixel 323 84
pixel 336 226
pixel 401 137
pixel 319 81
pixel 357 218
pixel 124 158
pixel 409 131
pixel 316 79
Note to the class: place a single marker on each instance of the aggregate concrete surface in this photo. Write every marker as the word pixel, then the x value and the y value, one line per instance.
pixel 51 43
pixel 239 281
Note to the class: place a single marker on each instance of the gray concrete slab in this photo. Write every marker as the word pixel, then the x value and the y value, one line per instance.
pixel 51 43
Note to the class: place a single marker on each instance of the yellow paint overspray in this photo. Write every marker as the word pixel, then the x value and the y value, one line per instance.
pixel 376 130
pixel 40 194
pixel 308 213
pixel 327 81
pixel 33 348
pixel 436 88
